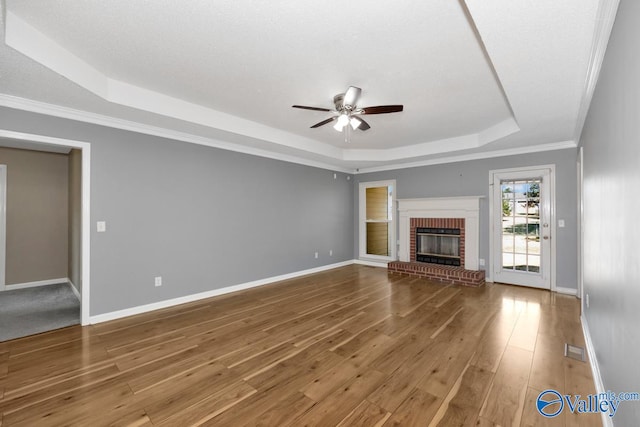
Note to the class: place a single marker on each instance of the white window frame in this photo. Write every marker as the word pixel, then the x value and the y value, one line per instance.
pixel 362 221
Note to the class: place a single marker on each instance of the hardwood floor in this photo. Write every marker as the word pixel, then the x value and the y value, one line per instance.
pixel 354 346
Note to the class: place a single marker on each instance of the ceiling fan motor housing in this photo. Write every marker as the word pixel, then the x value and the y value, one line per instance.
pixel 338 101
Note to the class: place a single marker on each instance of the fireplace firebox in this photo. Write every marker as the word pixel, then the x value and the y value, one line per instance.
pixel 438 245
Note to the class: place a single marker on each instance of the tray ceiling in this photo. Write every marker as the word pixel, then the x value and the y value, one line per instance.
pixel 477 78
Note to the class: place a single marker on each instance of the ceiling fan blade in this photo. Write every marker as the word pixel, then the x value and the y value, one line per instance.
pixel 363 125
pixel 382 109
pixel 351 96
pixel 304 107
pixel 324 122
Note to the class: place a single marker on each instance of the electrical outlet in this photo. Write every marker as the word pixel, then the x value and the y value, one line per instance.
pixel 330 252
pixel 316 255
pixel 481 262
pixel 158 281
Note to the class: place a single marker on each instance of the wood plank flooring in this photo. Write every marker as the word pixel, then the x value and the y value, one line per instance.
pixel 354 346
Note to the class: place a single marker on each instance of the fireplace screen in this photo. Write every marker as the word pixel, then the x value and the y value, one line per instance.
pixel 438 245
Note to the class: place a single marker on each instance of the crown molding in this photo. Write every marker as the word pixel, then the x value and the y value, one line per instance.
pixel 562 145
pixel 605 19
pixel 456 143
pixel 101 120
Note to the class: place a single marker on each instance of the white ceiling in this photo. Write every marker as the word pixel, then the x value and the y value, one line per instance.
pixel 477 78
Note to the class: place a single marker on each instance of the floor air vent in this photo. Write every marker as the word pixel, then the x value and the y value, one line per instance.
pixel 574 352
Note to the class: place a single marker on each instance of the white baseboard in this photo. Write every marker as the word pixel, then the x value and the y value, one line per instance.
pixel 567 291
pixel 75 290
pixel 595 368
pixel 382 264
pixel 208 294
pixel 37 283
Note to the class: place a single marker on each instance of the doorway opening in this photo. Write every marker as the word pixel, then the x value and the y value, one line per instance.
pixel 43 143
pixel 522 227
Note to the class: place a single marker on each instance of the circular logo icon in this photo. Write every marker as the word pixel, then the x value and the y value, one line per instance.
pixel 550 403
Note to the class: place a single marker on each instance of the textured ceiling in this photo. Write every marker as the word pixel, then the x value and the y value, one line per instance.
pixel 475 77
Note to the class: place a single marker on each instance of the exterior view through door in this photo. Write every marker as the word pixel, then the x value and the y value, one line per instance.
pixel 522 218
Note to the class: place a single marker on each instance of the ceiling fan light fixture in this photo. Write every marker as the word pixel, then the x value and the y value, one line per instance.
pixel 343 120
pixel 347 112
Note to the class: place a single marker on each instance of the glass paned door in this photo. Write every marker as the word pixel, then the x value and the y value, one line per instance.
pixel 521 227
pixel 521 224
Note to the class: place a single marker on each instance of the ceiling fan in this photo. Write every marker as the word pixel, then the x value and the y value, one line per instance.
pixel 348 114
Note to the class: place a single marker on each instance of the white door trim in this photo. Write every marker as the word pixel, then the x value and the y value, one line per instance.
pixel 3 225
pixel 552 215
pixel 86 206
pixel 580 225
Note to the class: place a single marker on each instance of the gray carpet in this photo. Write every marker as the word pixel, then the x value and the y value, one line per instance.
pixel 34 310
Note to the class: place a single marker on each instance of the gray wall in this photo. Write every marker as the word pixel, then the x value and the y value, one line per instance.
pixel 471 178
pixel 37 194
pixel 202 218
pixel 75 218
pixel 611 141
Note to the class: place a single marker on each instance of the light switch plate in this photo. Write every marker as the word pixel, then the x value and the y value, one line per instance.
pixel 561 223
pixel 102 226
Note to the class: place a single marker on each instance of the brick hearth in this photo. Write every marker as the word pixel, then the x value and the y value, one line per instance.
pixel 440 273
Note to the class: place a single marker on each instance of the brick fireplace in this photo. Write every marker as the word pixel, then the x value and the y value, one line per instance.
pixel 461 213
